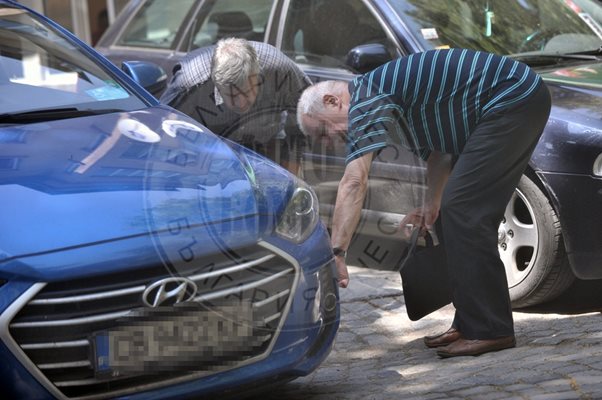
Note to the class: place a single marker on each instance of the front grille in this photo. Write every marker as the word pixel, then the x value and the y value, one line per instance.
pixel 54 328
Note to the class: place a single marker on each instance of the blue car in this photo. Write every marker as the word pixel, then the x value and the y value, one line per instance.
pixel 142 256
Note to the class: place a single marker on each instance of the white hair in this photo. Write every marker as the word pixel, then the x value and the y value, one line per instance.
pixel 311 100
pixel 234 61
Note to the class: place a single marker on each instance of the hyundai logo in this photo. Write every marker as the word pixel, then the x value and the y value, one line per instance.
pixel 169 291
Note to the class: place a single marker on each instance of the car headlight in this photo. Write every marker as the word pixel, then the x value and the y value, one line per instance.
pixel 598 166
pixel 300 216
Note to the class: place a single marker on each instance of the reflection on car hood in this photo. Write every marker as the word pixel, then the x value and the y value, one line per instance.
pixel 577 94
pixel 584 75
pixel 77 182
pixel 572 137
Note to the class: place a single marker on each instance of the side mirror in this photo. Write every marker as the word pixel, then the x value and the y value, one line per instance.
pixel 148 75
pixel 364 58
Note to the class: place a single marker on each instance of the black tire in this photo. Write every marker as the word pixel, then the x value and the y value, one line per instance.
pixel 531 247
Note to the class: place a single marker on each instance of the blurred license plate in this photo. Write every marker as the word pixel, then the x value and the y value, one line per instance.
pixel 175 338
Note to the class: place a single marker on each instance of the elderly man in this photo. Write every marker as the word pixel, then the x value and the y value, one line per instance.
pixel 245 91
pixel 475 118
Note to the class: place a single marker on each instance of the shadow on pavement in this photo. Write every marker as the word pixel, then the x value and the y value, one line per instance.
pixel 581 297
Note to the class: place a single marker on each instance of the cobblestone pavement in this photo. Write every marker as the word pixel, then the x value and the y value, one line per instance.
pixel 379 354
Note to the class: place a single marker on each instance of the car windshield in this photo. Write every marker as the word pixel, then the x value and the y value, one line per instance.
pixel 41 71
pixel 538 27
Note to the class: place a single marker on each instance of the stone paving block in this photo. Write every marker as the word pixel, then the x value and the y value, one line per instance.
pixel 363 354
pixel 597 365
pixel 535 378
pixel 512 397
pixel 348 314
pixel 567 395
pixel 530 392
pixel 431 396
pixel 386 303
pixel 344 336
pixel 555 384
pixel 364 330
pixel 328 374
pixel 475 391
pixel 548 365
pixel 529 356
pixel 577 356
pixel 586 378
pixel 498 395
pixel 591 392
pixel 517 387
pixel 570 369
pixel 497 379
pixel 378 340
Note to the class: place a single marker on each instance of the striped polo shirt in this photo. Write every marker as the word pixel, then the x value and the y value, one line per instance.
pixel 432 100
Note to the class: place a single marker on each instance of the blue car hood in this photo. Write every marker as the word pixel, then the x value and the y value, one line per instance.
pixel 77 182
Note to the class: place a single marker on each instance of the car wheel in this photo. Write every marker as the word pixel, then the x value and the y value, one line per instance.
pixel 531 247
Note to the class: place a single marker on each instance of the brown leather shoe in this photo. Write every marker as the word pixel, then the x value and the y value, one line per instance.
pixel 442 339
pixel 466 347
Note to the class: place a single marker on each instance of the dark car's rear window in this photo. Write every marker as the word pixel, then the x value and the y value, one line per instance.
pixel 156 24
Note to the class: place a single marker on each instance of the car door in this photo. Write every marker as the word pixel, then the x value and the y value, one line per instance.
pixel 321 36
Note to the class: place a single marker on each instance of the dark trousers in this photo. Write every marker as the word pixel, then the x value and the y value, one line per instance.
pixel 474 199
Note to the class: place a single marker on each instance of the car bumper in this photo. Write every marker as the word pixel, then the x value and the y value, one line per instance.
pixel 302 346
pixel 304 340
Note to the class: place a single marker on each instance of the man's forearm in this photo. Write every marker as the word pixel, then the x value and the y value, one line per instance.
pixel 350 199
pixel 438 169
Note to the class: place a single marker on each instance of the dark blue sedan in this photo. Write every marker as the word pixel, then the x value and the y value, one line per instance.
pixel 141 256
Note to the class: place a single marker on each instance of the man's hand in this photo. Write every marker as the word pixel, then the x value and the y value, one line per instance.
pixel 343 274
pixel 438 168
pixel 423 217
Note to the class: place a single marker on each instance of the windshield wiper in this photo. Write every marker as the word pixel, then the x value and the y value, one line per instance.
pixel 543 59
pixel 572 56
pixel 50 114
pixel 594 52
